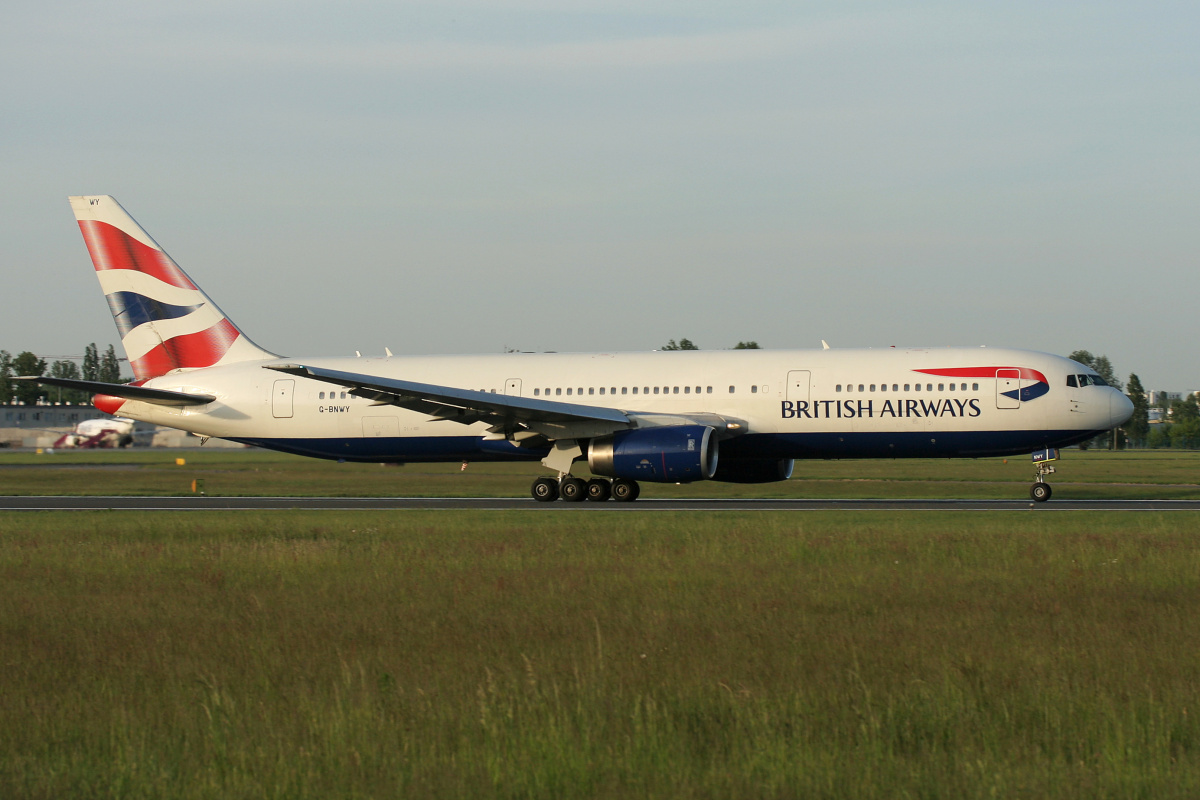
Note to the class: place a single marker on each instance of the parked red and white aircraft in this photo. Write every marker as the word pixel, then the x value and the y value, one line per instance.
pixel 105 432
pixel 681 416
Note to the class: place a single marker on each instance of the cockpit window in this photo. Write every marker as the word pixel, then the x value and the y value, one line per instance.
pixel 1072 382
pixel 1086 380
pixel 1098 381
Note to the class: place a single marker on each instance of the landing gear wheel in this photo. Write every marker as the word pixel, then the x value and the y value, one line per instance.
pixel 572 490
pixel 598 490
pixel 624 491
pixel 1040 492
pixel 545 490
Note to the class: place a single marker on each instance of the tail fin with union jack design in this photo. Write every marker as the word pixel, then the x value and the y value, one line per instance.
pixel 166 322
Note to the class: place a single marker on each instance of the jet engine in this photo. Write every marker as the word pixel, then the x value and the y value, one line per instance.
pixel 667 454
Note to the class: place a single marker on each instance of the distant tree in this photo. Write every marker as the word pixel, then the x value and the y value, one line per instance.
pixel 110 368
pixel 684 344
pixel 747 346
pixel 65 369
pixel 1185 434
pixel 28 364
pixel 1186 409
pixel 1158 438
pixel 91 363
pixel 6 387
pixel 1138 426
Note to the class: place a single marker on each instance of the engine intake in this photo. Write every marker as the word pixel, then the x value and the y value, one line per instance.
pixel 754 470
pixel 668 454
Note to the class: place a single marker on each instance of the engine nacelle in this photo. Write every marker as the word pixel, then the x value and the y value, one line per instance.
pixel 667 454
pixel 754 470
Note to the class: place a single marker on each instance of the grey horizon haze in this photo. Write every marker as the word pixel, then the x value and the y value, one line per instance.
pixel 461 177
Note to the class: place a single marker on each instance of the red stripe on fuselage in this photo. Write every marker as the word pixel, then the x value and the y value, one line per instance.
pixel 112 248
pixel 188 351
pixel 984 372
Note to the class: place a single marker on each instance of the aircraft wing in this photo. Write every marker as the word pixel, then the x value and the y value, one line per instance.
pixel 506 414
pixel 161 397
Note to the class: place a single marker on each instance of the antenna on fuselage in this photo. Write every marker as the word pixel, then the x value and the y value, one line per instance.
pixel 824 345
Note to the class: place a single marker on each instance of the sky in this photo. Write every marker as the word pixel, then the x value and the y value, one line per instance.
pixel 467 177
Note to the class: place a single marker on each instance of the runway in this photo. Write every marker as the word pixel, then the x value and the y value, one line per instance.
pixel 201 503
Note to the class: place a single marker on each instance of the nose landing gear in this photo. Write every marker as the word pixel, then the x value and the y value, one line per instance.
pixel 1041 491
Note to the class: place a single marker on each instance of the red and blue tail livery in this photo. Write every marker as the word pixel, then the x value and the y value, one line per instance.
pixel 165 321
pixel 739 416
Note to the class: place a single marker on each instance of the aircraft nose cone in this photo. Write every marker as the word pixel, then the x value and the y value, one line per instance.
pixel 1120 409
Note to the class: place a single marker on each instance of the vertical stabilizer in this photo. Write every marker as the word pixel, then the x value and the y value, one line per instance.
pixel 165 321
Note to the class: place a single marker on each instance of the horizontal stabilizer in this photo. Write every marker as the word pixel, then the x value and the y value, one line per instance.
pixel 161 397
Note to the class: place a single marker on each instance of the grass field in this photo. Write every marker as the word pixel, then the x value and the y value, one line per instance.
pixel 546 654
pixel 1081 475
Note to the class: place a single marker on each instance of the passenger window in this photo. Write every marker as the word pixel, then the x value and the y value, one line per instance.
pixel 687 390
pixel 754 389
pixel 872 387
pixel 709 390
pixel 917 387
pixel 906 387
pixel 675 391
pixel 656 390
pixel 558 391
pixel 860 387
pixel 635 390
pixel 941 387
pixel 343 395
pixel 731 390
pixel 883 387
pixel 568 391
pixel 975 387
pixel 592 390
pixel 321 396
pixel 625 390
pixel 839 388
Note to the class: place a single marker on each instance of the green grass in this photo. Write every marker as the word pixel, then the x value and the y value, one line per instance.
pixel 518 654
pixel 1081 475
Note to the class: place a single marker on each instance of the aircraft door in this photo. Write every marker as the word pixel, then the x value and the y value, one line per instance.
pixel 798 383
pixel 281 398
pixel 512 386
pixel 1008 388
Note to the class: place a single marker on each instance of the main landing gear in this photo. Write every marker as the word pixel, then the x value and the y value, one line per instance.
pixel 576 490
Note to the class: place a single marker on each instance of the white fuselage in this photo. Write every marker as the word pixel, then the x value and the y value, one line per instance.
pixel 792 404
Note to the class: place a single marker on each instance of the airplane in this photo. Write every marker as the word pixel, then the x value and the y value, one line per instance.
pixel 740 416
pixel 104 432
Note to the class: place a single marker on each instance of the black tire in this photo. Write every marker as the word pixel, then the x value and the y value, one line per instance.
pixel 545 490
pixel 572 490
pixel 598 490
pixel 1040 492
pixel 625 491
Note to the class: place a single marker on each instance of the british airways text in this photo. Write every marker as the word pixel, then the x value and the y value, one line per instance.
pixel 847 409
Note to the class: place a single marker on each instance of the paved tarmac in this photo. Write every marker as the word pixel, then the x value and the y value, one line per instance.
pixel 201 503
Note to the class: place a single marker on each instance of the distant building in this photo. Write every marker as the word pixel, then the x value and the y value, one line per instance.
pixel 1163 399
